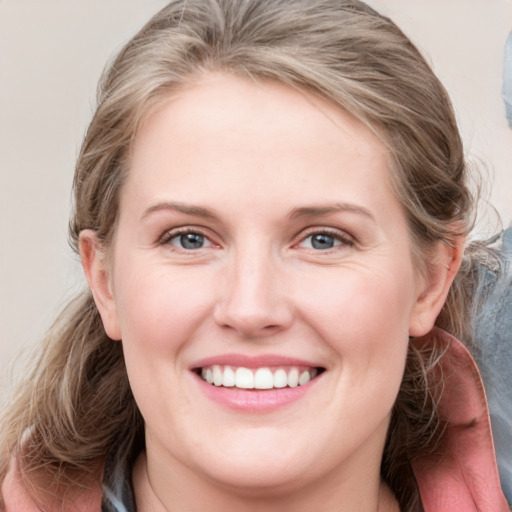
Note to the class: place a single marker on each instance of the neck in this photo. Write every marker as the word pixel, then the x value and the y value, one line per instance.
pixel 157 492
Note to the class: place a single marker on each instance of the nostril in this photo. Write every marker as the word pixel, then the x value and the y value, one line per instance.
pixel 252 326
pixel 254 306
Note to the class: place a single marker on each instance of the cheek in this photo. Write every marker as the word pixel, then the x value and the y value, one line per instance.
pixel 160 312
pixel 159 308
pixel 360 305
pixel 365 321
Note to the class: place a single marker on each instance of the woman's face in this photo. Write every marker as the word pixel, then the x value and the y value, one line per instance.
pixel 260 243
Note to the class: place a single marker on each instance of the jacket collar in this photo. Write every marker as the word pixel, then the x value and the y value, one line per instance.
pixel 465 477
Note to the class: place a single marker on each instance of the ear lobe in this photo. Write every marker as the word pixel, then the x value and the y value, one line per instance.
pixel 444 264
pixel 97 275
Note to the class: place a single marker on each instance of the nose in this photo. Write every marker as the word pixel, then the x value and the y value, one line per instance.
pixel 253 299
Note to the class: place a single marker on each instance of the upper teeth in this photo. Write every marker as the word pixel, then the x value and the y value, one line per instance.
pixel 260 378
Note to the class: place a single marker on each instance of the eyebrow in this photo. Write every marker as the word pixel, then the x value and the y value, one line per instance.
pixel 295 213
pixel 317 211
pixel 197 211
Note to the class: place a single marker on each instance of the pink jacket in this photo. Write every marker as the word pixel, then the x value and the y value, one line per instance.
pixel 465 480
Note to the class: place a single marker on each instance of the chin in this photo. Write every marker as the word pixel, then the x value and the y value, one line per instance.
pixel 264 470
pixel 250 480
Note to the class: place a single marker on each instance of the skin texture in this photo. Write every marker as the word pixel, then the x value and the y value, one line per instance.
pixel 272 167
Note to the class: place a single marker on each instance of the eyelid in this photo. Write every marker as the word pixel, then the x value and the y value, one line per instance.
pixel 169 234
pixel 338 234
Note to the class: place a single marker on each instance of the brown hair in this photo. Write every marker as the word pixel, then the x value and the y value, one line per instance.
pixel 75 408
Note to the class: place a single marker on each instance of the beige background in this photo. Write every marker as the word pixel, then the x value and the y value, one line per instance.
pixel 51 55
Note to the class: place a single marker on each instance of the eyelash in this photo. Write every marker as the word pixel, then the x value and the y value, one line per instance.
pixel 168 236
pixel 344 239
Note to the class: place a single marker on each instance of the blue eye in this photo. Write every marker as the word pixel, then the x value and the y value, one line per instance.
pixel 190 241
pixel 323 241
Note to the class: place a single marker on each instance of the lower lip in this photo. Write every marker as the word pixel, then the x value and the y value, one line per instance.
pixel 254 400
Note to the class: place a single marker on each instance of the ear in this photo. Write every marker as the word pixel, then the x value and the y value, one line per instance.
pixel 97 274
pixel 444 263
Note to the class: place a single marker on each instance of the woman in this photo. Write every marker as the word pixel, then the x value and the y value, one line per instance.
pixel 271 207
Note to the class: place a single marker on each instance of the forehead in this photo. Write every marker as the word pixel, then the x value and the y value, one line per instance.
pixel 230 136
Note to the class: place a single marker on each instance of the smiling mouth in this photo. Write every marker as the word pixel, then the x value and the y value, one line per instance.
pixel 264 378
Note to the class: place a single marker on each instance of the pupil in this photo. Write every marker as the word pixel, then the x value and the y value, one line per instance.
pixel 191 241
pixel 322 241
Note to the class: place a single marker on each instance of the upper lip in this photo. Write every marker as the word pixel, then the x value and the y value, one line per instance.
pixel 242 360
